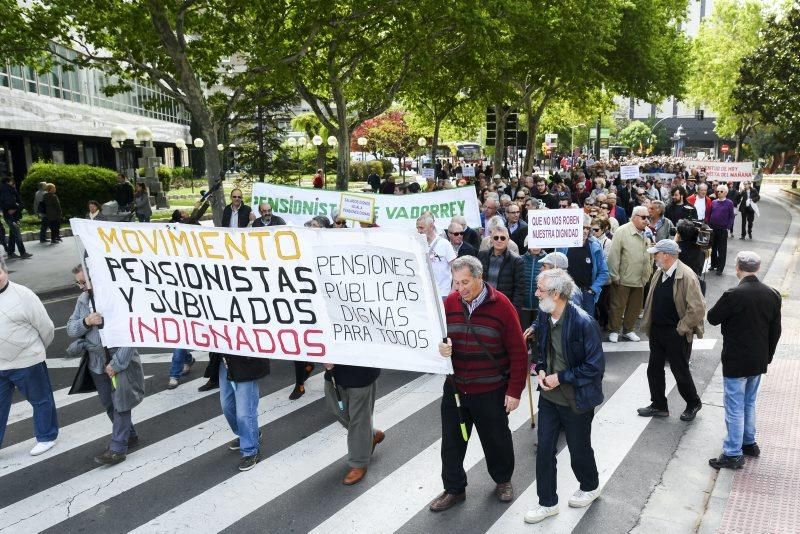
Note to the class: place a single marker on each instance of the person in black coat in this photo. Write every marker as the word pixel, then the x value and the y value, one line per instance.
pixel 504 270
pixel 691 254
pixel 455 234
pixel 750 315
pixel 238 207
pixel 350 394
pixel 267 218
pixel 747 209
pixel 123 193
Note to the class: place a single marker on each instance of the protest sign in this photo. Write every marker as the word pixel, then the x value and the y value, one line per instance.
pixel 428 173
pixel 629 172
pixel 468 171
pixel 297 205
pixel 324 296
pixel 734 171
pixel 359 208
pixel 555 228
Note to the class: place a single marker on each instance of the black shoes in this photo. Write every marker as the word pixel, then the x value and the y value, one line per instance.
pixel 504 492
pixel 297 392
pixel 133 441
pixel 26 255
pixel 691 412
pixel 652 411
pixel 248 462
pixel 727 462
pixel 208 386
pixel 234 445
pixel 751 450
pixel 110 458
pixel 446 501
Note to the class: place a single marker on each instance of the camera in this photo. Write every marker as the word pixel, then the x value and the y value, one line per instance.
pixel 692 230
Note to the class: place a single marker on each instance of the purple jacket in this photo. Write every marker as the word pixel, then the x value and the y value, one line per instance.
pixel 722 214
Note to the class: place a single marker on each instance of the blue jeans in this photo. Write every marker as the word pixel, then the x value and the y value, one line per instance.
pixel 14 235
pixel 179 358
pixel 240 406
pixel 740 413
pixel 34 384
pixel 587 302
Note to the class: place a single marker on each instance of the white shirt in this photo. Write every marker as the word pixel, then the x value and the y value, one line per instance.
pixel 700 206
pixel 234 223
pixel 666 275
pixel 440 254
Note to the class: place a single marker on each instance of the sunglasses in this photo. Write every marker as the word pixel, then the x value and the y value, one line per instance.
pixel 235 196
pixel 456 233
pixel 338 223
pixel 499 237
pixel 596 230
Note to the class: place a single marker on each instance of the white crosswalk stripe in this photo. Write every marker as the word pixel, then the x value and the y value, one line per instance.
pixel 388 505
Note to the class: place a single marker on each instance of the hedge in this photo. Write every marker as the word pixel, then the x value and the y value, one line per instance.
pixel 75 185
pixel 359 170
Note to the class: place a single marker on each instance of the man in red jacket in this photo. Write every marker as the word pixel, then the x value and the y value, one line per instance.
pixel 489 365
pixel 701 202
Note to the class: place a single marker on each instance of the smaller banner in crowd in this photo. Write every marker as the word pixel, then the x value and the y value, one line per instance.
pixel 325 296
pixel 629 172
pixel 555 228
pixel 468 172
pixel 359 208
pixel 429 173
pixel 737 171
pixel 297 205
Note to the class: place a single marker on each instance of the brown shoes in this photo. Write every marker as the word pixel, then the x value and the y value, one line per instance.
pixel 446 501
pixel 504 492
pixel 354 476
pixel 377 438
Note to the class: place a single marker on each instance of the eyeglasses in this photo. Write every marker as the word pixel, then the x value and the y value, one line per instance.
pixel 81 285
pixel 456 233
pixel 597 230
pixel 338 223
pixel 236 196
pixel 499 237
pixel 510 212
pixel 720 191
pixel 604 207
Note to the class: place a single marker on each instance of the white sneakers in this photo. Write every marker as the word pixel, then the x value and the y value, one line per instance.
pixel 42 447
pixel 579 499
pixel 540 513
pixel 582 499
pixel 631 336
pixel 613 337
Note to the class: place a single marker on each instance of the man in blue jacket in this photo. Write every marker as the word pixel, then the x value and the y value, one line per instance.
pixel 587 267
pixel 570 373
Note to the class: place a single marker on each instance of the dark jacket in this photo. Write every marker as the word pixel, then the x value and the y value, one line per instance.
pixel 244 216
pixel 550 200
pixel 467 250
pixel 245 368
pixel 52 207
pixel 123 194
pixel 675 212
pixel 750 315
pixel 532 268
pixel 620 215
pixel 10 200
pixel 741 200
pixel 510 280
pixel 472 237
pixel 352 376
pixel 692 256
pixel 583 350
pixel 519 235
pixel 274 221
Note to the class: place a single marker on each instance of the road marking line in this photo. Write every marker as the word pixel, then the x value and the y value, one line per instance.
pixel 69 498
pixel 388 505
pixel 162 357
pixel 18 456
pixel 286 469
pixel 615 429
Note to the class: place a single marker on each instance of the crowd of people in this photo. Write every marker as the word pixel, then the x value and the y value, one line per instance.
pixel 512 309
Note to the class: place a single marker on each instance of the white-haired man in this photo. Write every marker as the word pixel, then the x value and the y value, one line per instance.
pixel 630 267
pixel 440 253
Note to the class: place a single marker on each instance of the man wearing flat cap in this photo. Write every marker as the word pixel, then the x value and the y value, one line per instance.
pixel 673 315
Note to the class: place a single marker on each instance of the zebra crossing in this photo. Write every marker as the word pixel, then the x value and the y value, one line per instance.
pixel 182 477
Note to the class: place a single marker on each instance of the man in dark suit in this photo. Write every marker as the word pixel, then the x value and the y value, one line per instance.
pixel 267 218
pixel 237 208
pixel 750 315
pixel 455 233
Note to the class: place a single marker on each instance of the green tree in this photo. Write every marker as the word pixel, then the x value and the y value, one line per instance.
pixel 768 79
pixel 311 125
pixel 636 136
pixel 725 39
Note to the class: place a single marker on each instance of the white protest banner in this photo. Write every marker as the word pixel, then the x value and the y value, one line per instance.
pixel 468 171
pixel 428 173
pixel 325 296
pixel 359 208
pixel 555 228
pixel 734 171
pixel 629 172
pixel 298 205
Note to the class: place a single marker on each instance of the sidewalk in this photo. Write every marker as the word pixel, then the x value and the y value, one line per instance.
pixel 48 272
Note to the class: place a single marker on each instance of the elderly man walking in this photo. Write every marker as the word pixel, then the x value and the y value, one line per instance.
pixel 570 373
pixel 673 315
pixel 489 356
pixel 750 315
pixel 629 267
pixel 27 331
pixel 440 254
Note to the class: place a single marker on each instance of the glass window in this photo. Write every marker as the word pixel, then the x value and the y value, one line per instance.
pixel 3 80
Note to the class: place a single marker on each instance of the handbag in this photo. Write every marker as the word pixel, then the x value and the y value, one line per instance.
pixel 83 382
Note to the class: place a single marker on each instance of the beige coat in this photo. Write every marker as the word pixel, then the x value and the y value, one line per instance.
pixel 629 263
pixel 688 301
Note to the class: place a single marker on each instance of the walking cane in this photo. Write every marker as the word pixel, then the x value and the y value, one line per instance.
pixel 530 400
pixel 338 395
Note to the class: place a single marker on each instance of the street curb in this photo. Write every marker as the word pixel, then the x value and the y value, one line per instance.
pixel 58 293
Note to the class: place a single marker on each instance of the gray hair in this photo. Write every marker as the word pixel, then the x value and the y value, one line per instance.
pixel 558 281
pixel 658 204
pixel 505 197
pixel 468 262
pixel 495 222
pixel 427 220
pixel 703 184
pixel 460 219
pixel 458 225
pixel 723 187
pixel 640 210
pixel 501 228
pixel 587 221
pixel 748 261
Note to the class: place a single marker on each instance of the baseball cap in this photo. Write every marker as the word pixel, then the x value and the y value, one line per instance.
pixel 667 246
pixel 556 259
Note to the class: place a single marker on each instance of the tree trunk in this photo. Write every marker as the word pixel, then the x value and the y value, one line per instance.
pixel 208 133
pixel 737 153
pixel 437 123
pixel 343 152
pixel 321 151
pixel 499 140
pixel 527 164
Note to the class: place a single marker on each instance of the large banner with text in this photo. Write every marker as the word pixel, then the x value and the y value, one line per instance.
pixel 297 205
pixel 730 171
pixel 326 296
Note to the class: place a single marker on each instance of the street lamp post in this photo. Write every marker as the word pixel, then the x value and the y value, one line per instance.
pixel 317 142
pixel 421 142
pixel 301 142
pixel 679 139
pixel 332 142
pixel 362 142
pixel 118 137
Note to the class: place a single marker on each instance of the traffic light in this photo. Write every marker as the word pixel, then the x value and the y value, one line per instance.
pixel 699 114
pixel 491 126
pixel 511 129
